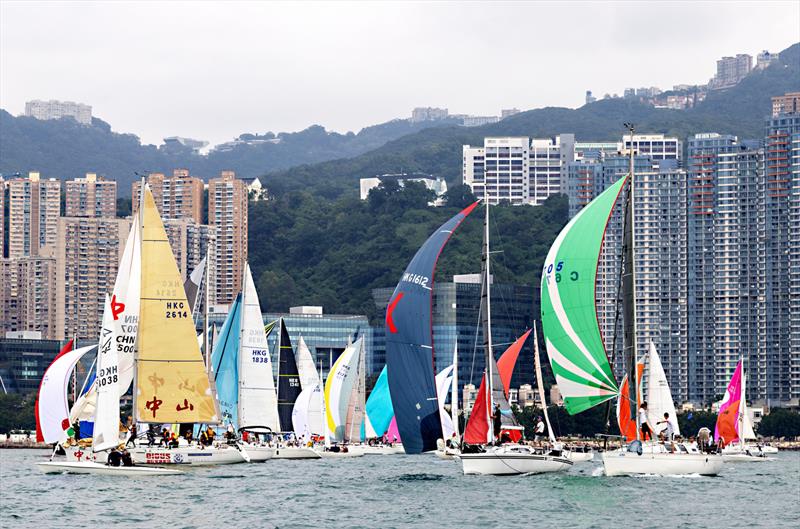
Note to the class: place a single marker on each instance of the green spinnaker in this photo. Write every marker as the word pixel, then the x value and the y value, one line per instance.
pixel 569 313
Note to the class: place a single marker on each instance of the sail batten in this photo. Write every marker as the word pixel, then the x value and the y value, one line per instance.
pixel 569 313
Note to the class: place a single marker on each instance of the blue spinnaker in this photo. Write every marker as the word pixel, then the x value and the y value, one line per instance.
pixel 379 406
pixel 225 363
pixel 409 344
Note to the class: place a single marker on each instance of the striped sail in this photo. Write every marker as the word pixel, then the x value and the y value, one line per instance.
pixel 569 315
pixel 172 385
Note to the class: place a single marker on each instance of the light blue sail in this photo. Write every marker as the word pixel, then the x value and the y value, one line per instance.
pixel 225 365
pixel 379 406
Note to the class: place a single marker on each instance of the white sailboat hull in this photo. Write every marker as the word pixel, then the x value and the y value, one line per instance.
pixel 625 463
pixel 767 449
pixel 258 453
pixel 579 457
pixel 325 454
pixel 512 460
pixel 90 467
pixel 383 450
pixel 745 454
pixel 187 455
pixel 295 452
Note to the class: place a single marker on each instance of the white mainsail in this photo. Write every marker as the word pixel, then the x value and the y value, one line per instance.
pixel 338 388
pixel 444 381
pixel 106 419
pixel 258 401
pixel 747 425
pixel 454 396
pixel 659 397
pixel 309 378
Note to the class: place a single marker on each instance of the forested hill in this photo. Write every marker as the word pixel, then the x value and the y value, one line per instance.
pixel 65 149
pixel 307 250
pixel 740 110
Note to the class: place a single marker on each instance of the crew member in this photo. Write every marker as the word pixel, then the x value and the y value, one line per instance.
pixel 644 426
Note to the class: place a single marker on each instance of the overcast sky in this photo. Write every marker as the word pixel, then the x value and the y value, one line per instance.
pixel 212 70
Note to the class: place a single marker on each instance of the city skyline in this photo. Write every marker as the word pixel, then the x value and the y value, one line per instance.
pixel 282 90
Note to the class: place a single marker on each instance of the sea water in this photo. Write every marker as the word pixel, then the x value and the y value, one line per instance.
pixel 397 491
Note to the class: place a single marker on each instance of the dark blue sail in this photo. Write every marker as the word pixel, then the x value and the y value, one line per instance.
pixel 409 345
pixel 288 379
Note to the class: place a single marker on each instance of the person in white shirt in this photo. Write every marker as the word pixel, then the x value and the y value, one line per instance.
pixel 644 426
pixel 539 431
pixel 669 431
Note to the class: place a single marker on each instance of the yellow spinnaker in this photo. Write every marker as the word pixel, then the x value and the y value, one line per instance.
pixel 172 385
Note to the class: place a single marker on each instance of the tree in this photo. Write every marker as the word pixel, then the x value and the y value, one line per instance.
pixel 276 291
pixel 459 196
pixel 780 423
pixel 16 412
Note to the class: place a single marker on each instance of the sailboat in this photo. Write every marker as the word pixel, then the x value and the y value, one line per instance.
pixel 378 416
pixel 340 385
pixel 572 334
pixel 289 390
pixel 106 420
pixel 733 426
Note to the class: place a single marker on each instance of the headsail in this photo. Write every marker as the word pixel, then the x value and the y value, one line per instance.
pixel 338 389
pixel 258 402
pixel 409 344
pixel 225 365
pixel 444 381
pixel 569 314
pixel 192 286
pixel 288 379
pixel 172 383
pixel 106 421
pixel 728 420
pixel 305 366
pixel 477 429
pixel 659 398
pixel 379 411
pixel 307 413
pixel 628 426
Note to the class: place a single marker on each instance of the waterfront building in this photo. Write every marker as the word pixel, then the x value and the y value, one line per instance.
pixel 31 210
pixel 227 213
pixel 24 357
pixel 517 169
pixel 88 252
pixel 91 197
pixel 782 256
pixel 28 295
pixel 59 109
pixel 179 196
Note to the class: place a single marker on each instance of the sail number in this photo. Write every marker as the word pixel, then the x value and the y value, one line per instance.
pixel 176 309
pixel 260 356
pixel 416 279
pixel 573 276
pixel 107 376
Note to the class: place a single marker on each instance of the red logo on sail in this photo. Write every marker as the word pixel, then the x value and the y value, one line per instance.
pixel 390 310
pixel 116 308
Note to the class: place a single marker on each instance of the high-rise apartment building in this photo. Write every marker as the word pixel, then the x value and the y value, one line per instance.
pixel 227 212
pixel 656 146
pixel 731 70
pixel 3 233
pixel 88 252
pixel 782 255
pixel 28 295
pixel 179 196
pixel 91 197
pixel 788 103
pixel 190 243
pixel 31 210
pixel 517 169
pixel 59 109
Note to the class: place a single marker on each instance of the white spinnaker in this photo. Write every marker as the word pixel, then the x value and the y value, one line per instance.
pixel 305 366
pixel 338 389
pixel 106 420
pixel 258 401
pixel 444 380
pixel 659 398
pixel 52 402
pixel 746 429
pixel 307 413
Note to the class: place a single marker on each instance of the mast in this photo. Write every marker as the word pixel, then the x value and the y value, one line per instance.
pixel 454 395
pixel 239 354
pixel 136 346
pixel 742 405
pixel 540 385
pixel 486 315
pixel 629 284
pixel 206 338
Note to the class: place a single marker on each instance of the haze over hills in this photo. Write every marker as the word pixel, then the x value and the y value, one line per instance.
pixel 331 163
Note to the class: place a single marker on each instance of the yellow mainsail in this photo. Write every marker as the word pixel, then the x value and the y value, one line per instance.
pixel 172 384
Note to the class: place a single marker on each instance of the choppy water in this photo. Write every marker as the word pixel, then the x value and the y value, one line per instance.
pixel 396 491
